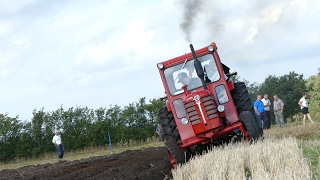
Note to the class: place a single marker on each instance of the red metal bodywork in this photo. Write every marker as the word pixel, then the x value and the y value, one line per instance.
pixel 209 125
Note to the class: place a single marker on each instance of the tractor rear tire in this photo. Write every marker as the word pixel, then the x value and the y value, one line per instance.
pixel 173 139
pixel 243 102
pixel 175 153
pixel 241 98
pixel 247 119
pixel 169 126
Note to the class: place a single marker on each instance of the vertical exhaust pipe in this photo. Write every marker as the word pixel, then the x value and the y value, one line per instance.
pixel 198 67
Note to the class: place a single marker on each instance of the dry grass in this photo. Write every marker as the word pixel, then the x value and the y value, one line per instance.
pixel 285 153
pixel 270 159
pixel 302 132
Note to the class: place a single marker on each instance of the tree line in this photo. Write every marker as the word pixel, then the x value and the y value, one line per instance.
pixel 83 127
pixel 80 127
pixel 289 88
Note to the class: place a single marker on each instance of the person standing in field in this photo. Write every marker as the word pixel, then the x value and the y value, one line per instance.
pixel 305 108
pixel 267 105
pixel 56 140
pixel 260 114
pixel 160 132
pixel 278 107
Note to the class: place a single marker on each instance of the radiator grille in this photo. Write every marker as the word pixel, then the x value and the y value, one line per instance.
pixel 209 107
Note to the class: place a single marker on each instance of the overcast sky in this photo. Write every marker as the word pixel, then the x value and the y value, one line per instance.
pixel 100 53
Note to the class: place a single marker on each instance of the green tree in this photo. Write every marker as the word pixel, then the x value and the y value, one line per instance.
pixel 98 131
pixel 114 117
pixel 76 122
pixel 289 88
pixel 313 86
pixel 49 125
pixel 253 88
pixel 129 115
pixel 10 133
pixel 25 144
pixel 79 127
pixel 153 109
pixel 36 131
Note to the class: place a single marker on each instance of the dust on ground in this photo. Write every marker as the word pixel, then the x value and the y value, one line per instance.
pixel 143 164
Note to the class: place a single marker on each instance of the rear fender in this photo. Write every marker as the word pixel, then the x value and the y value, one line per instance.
pixel 230 85
pixel 168 106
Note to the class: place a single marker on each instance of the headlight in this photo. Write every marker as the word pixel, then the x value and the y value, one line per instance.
pixel 220 108
pixel 210 48
pixel 184 121
pixel 160 65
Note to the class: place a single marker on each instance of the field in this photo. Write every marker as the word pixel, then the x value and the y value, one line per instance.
pixel 146 163
pixel 287 153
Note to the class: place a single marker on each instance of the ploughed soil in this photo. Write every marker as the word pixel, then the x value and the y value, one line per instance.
pixel 147 164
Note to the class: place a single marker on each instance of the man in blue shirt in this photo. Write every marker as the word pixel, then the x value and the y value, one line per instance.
pixel 260 114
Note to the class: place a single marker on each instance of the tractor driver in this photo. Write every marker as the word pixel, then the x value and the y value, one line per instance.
pixel 212 71
pixel 190 82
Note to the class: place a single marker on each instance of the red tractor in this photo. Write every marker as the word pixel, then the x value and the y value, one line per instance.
pixel 203 105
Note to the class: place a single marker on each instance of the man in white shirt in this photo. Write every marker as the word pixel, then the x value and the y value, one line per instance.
pixel 56 140
pixel 305 108
pixel 267 105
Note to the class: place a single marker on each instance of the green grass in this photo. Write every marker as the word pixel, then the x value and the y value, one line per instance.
pixel 311 149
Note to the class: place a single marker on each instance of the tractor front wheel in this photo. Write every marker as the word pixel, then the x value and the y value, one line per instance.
pixel 168 124
pixel 249 122
pixel 173 139
pixel 175 153
pixel 243 103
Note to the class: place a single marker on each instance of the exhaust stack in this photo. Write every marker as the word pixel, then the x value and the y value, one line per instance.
pixel 198 67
